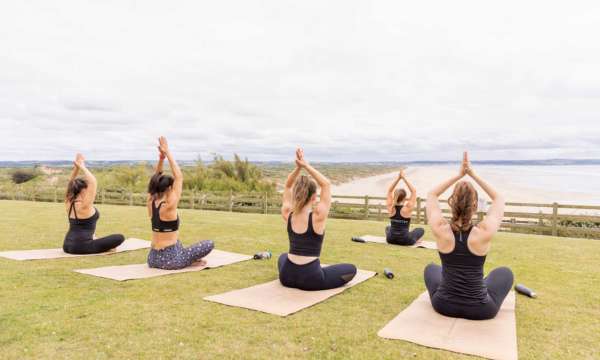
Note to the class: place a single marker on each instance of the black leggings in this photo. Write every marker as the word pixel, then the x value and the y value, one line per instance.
pixel 312 276
pixel 74 245
pixel 410 238
pixel 498 282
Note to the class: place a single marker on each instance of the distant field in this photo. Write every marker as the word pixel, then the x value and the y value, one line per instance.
pixel 48 311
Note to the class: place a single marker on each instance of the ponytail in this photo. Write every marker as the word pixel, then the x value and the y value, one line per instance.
pixel 463 204
pixel 159 183
pixel 304 189
pixel 74 188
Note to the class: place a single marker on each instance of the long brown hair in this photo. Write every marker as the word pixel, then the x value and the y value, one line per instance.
pixel 304 189
pixel 74 188
pixel 399 196
pixel 463 204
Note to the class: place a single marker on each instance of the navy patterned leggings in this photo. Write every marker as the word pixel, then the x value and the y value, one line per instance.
pixel 177 257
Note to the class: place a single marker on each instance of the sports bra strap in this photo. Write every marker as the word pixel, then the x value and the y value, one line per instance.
pixel 73 209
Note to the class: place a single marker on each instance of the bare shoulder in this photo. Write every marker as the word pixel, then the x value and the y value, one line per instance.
pixel 479 241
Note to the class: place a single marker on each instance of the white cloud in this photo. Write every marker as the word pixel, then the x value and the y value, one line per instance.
pixel 349 80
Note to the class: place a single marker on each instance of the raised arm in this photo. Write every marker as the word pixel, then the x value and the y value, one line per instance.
pixel 493 220
pixel 390 193
pixel 87 200
pixel 322 209
pixel 413 192
pixel 288 201
pixel 160 163
pixel 175 195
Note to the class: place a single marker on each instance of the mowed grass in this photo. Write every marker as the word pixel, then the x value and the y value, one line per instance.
pixel 49 311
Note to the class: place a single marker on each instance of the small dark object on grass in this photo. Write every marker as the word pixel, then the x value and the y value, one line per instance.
pixel 388 273
pixel 263 255
pixel 522 289
pixel 357 239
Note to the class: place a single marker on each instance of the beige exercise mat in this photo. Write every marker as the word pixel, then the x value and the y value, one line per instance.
pixel 216 258
pixel 493 339
pixel 39 254
pixel 274 298
pixel 381 240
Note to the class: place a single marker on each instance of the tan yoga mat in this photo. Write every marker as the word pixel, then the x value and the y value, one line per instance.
pixel 381 240
pixel 216 258
pixel 492 339
pixel 40 254
pixel 274 298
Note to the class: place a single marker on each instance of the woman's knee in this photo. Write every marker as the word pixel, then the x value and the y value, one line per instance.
pixel 349 273
pixel 431 268
pixel 503 273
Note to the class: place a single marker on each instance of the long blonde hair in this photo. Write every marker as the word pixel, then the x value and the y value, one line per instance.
pixel 463 204
pixel 304 189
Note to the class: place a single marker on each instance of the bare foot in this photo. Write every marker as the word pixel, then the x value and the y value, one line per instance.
pixel 200 262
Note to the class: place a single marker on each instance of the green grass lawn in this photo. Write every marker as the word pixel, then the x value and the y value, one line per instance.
pixel 49 311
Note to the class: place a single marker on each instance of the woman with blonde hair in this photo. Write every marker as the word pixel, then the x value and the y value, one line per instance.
pixel 458 288
pixel 400 207
pixel 300 267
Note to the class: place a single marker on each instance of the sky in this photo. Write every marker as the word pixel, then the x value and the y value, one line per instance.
pixel 348 80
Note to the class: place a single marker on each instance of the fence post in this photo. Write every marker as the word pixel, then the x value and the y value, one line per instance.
pixel 266 203
pixel 379 212
pixel 366 206
pixel 230 200
pixel 418 210
pixel 554 219
pixel 192 195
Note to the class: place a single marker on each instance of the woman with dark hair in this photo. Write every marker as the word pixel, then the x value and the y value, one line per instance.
pixel 79 201
pixel 164 192
pixel 300 268
pixel 458 288
pixel 400 210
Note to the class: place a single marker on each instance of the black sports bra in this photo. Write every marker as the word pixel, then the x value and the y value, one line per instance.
pixel 307 244
pixel 159 225
pixel 88 224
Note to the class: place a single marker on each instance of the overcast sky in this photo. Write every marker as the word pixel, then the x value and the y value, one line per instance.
pixel 347 80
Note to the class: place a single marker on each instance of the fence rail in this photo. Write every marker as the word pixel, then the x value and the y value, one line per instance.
pixel 532 218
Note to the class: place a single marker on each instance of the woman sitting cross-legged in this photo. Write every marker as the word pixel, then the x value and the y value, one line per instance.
pixel 458 288
pixel 164 192
pixel 300 268
pixel 83 215
pixel 400 209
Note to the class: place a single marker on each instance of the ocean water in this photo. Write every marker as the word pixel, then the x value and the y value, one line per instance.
pixel 565 184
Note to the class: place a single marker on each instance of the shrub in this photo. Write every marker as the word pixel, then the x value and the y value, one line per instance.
pixel 23 176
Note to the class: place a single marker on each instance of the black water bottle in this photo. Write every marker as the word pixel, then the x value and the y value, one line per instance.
pixel 357 239
pixel 263 255
pixel 388 273
pixel 522 289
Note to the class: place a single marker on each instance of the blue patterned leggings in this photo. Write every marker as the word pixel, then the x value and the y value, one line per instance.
pixel 177 257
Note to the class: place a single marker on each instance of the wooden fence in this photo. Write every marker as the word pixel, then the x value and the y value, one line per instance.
pixel 532 218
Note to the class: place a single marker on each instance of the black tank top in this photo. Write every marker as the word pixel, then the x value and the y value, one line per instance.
pixel 82 226
pixel 399 224
pixel 307 244
pixel 462 274
pixel 159 225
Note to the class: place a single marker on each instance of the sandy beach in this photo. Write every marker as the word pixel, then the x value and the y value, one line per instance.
pixel 532 184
